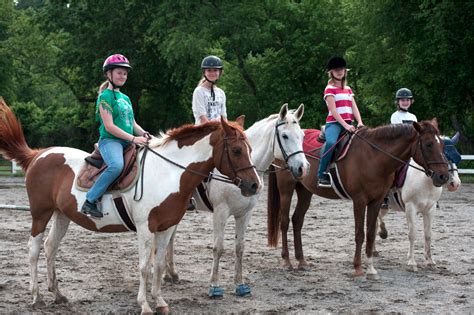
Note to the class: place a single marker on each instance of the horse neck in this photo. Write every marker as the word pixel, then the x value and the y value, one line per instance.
pixel 261 136
pixel 198 157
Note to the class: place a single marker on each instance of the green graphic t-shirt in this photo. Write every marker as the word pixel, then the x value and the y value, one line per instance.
pixel 121 110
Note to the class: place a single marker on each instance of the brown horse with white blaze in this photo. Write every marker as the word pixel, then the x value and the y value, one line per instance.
pixel 182 158
pixel 366 173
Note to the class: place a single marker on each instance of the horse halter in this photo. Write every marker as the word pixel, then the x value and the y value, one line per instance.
pixel 286 156
pixel 237 180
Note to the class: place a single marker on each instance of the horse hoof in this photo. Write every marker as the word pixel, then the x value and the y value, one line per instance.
pixel 61 300
pixel 375 253
pixel 171 279
pixel 373 276
pixel 242 290
pixel 216 292
pixel 360 279
pixel 163 310
pixel 304 266
pixel 383 234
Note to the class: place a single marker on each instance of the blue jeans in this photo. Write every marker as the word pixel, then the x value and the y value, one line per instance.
pixel 112 153
pixel 333 130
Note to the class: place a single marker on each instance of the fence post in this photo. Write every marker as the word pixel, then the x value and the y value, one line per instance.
pixel 15 167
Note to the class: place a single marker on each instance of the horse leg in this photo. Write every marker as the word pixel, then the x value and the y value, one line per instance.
pixel 241 223
pixel 161 241
pixel 51 245
pixel 219 221
pixel 427 226
pixel 372 217
pixel 40 220
pixel 382 229
pixel 410 213
pixel 34 245
pixel 284 225
pixel 359 218
pixel 302 205
pixel 171 274
pixel 145 246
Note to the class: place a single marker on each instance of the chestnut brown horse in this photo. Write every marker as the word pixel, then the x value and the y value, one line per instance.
pixel 175 164
pixel 366 173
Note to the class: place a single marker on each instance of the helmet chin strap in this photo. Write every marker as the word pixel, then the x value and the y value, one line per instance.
pixel 213 94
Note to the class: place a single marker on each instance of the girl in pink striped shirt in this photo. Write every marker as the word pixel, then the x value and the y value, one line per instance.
pixel 342 111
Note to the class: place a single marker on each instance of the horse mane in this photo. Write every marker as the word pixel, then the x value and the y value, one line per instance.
pixel 13 145
pixel 190 130
pixel 388 133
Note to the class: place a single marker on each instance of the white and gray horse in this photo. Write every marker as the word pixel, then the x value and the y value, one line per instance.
pixel 278 136
pixel 418 195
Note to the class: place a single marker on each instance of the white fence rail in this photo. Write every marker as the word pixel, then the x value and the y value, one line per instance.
pixel 466 170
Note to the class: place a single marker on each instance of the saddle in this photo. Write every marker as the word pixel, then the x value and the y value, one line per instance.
pixel 314 140
pixel 400 176
pixel 95 166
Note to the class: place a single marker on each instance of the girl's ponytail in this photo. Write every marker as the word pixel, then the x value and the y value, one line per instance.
pixel 102 87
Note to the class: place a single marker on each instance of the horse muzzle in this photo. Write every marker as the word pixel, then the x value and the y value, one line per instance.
pixel 300 171
pixel 248 188
pixel 439 179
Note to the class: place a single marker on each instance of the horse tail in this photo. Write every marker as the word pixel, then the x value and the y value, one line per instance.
pixel 273 209
pixel 13 145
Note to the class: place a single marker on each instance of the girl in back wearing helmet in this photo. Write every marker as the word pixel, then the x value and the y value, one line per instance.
pixel 209 101
pixel 117 129
pixel 342 111
pixel 403 99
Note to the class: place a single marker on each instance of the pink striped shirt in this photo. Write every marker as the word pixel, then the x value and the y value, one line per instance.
pixel 343 99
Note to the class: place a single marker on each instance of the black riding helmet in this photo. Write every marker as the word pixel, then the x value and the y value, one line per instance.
pixel 336 62
pixel 403 93
pixel 212 62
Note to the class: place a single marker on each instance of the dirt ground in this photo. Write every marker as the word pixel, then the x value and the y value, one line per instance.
pixel 98 272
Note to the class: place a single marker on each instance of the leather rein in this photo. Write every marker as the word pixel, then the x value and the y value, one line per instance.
pixel 428 172
pixel 236 181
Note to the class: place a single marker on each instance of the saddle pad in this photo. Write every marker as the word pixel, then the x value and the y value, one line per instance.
pixel 310 142
pixel 400 176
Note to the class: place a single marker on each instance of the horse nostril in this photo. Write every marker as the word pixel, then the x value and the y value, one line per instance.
pixel 254 187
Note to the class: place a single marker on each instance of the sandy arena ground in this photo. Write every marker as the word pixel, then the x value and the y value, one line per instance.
pixel 98 272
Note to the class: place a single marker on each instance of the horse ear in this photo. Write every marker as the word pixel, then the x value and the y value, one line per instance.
pixel 225 126
pixel 434 121
pixel 417 126
pixel 455 138
pixel 240 120
pixel 283 111
pixel 299 112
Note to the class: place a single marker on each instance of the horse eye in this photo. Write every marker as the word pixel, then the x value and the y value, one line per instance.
pixel 429 145
pixel 237 151
pixel 285 137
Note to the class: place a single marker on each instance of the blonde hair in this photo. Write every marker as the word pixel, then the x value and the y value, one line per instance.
pixel 343 82
pixel 103 86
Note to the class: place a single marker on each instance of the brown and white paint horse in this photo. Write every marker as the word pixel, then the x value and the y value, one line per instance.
pixel 367 173
pixel 50 184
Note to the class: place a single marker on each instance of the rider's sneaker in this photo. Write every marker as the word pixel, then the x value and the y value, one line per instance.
pixel 90 209
pixel 324 181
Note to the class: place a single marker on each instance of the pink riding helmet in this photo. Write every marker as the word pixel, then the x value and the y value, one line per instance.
pixel 114 61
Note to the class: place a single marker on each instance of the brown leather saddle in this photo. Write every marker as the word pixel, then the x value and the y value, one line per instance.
pixel 95 166
pixel 342 146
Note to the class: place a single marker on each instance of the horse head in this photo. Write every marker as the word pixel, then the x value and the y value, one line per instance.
pixel 289 136
pixel 231 153
pixel 454 157
pixel 429 152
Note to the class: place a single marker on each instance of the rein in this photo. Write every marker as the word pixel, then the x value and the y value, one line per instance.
pixel 428 172
pixel 236 181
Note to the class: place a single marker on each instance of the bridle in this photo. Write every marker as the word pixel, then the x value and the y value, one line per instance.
pixel 236 180
pixel 286 156
pixel 426 164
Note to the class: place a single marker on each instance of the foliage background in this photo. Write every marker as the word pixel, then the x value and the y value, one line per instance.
pixel 275 51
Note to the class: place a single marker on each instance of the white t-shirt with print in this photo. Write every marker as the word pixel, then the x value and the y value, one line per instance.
pixel 400 117
pixel 203 105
